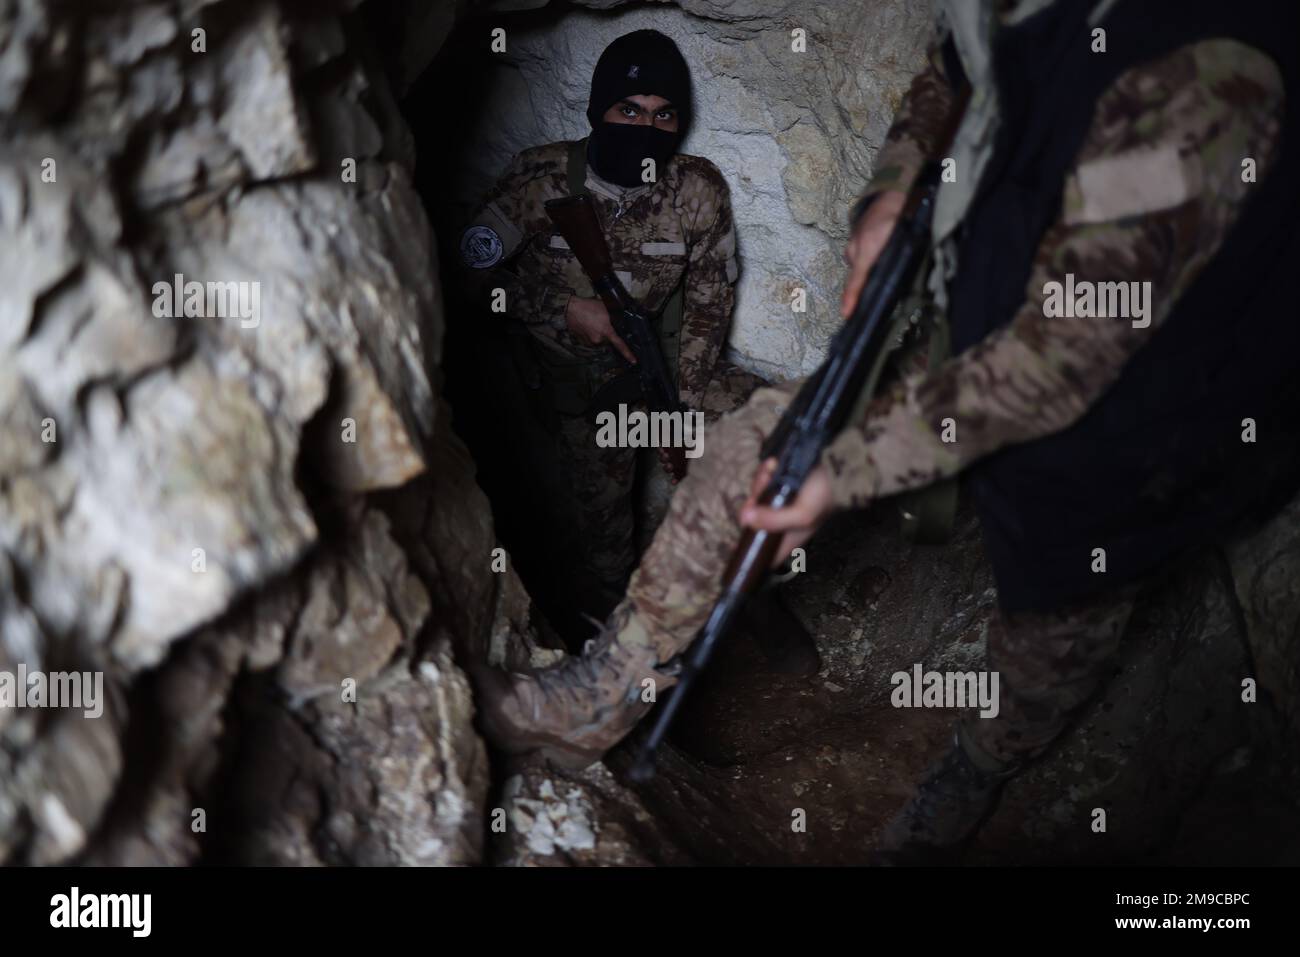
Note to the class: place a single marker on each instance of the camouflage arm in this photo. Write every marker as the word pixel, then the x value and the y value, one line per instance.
pixel 513 212
pixel 1156 188
pixel 711 274
pixel 914 134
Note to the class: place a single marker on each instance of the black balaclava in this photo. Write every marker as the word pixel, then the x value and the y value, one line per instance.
pixel 643 63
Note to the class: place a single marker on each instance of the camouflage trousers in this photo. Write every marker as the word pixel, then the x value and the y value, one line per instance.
pixel 1048 664
pixel 603 479
pixel 678 580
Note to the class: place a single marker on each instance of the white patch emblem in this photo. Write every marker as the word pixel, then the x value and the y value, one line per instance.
pixel 481 247
pixel 633 72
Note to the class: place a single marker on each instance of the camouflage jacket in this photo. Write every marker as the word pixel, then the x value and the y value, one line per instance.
pixel 1153 192
pixel 679 226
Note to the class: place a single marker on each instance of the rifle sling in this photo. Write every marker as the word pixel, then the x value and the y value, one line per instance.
pixel 927 513
pixel 576 169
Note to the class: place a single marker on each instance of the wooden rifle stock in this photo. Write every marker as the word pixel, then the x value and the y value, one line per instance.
pixel 575 218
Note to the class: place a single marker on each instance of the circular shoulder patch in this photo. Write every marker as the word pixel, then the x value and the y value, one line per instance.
pixel 481 247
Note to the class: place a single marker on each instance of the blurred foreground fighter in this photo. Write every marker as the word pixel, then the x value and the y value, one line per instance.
pixel 1165 166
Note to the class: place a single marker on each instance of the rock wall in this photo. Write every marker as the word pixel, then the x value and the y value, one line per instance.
pixel 795 133
pixel 267 539
pixel 201 507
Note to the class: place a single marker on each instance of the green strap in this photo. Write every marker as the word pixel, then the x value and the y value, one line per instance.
pixel 928 514
pixel 910 311
pixel 670 328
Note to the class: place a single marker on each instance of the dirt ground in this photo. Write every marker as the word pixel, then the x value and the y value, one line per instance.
pixel 770 769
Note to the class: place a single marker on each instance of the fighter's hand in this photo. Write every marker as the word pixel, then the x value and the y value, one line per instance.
pixel 798 520
pixel 588 320
pixel 868 239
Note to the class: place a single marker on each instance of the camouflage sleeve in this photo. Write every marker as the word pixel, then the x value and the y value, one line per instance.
pixel 1153 193
pixel 510 217
pixel 711 274
pixel 914 134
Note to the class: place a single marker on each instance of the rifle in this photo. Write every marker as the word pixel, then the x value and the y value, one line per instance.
pixel 818 414
pixel 575 217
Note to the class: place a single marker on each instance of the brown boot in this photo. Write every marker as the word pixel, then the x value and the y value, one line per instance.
pixel 575 711
pixel 952 801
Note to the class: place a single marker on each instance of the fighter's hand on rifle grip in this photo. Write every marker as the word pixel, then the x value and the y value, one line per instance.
pixel 799 520
pixel 868 239
pixel 589 322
